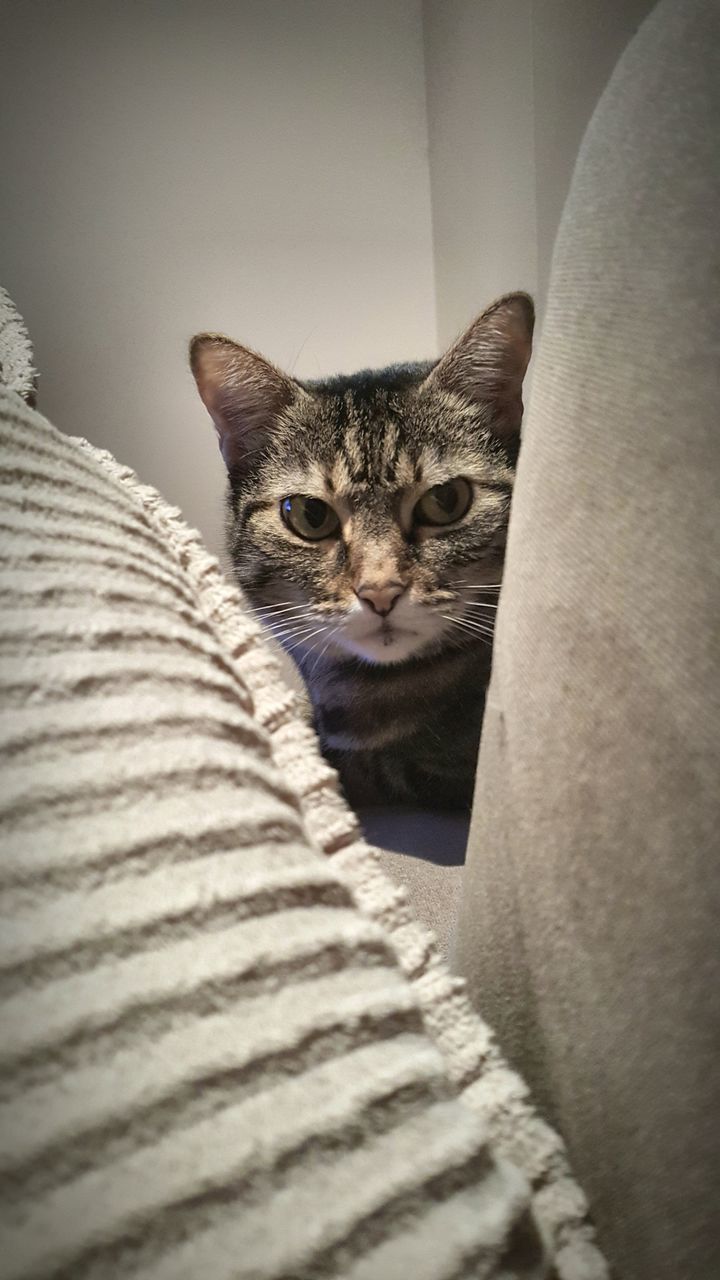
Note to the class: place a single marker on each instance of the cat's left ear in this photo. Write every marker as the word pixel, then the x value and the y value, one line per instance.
pixel 488 363
pixel 243 393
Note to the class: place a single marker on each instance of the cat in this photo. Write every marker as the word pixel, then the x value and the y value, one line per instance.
pixel 367 519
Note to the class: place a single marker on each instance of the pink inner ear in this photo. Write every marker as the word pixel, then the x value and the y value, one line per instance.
pixel 243 432
pixel 488 363
pixel 243 393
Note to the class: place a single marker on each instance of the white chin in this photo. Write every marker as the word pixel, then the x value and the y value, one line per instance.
pixel 384 645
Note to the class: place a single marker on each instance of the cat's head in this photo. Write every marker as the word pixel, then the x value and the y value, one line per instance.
pixel 367 512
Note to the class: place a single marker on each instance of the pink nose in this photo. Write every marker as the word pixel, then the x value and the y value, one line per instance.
pixel 380 597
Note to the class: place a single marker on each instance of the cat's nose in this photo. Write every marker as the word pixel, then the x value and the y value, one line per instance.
pixel 380 597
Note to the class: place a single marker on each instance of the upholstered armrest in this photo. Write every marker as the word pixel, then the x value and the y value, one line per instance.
pixel 228 1047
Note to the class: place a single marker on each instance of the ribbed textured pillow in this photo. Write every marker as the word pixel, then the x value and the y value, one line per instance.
pixel 17 368
pixel 228 1050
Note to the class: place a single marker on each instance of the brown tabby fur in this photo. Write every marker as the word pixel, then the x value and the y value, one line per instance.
pixel 398 699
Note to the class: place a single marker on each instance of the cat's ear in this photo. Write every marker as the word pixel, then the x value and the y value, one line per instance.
pixel 242 391
pixel 488 363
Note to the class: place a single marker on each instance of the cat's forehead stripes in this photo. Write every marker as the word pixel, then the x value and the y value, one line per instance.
pixel 343 447
pixel 364 467
pixel 368 442
pixel 377 451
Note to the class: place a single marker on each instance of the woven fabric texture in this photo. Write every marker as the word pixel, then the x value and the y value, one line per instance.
pixel 588 926
pixel 17 370
pixel 228 1049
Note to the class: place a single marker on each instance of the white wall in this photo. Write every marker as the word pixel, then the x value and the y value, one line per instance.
pixel 478 57
pixel 511 87
pixel 257 166
pixel 261 167
pixel 575 48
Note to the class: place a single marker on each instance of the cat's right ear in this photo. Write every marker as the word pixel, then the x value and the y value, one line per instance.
pixel 242 391
pixel 487 364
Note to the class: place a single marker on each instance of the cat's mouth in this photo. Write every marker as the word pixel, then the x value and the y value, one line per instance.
pixel 391 635
pixel 387 643
pixel 391 639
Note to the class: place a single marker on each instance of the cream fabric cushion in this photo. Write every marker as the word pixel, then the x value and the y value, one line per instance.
pixel 228 1048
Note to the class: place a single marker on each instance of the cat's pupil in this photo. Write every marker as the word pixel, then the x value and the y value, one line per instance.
pixel 315 512
pixel 446 496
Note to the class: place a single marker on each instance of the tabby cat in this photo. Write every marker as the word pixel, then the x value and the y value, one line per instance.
pixel 367 524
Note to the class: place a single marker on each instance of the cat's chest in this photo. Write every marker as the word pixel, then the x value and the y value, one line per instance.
pixel 436 706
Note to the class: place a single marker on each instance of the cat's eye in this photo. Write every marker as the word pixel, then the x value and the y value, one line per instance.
pixel 309 518
pixel 444 503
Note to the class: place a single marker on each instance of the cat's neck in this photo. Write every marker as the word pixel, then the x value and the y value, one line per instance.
pixel 434 669
pixel 363 705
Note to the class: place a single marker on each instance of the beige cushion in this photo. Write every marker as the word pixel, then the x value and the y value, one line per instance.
pixel 228 1047
pixel 591 901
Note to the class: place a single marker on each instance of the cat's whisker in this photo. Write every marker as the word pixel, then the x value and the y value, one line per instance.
pixel 474 622
pixel 293 620
pixel 290 632
pixel 276 613
pixel 477 584
pixel 279 608
pixel 305 340
pixel 290 615
pixel 484 635
pixel 473 628
pixel 304 639
pixel 289 625
pixel 484 624
pixel 271 604
pixel 329 640
pixel 290 619
pixel 479 604
pixel 478 639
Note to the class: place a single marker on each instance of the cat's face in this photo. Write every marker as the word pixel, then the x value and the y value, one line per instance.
pixel 368 512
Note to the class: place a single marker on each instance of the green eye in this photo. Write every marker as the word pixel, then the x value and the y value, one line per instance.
pixel 444 503
pixel 310 518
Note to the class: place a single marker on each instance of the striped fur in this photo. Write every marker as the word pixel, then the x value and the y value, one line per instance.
pixel 397 698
